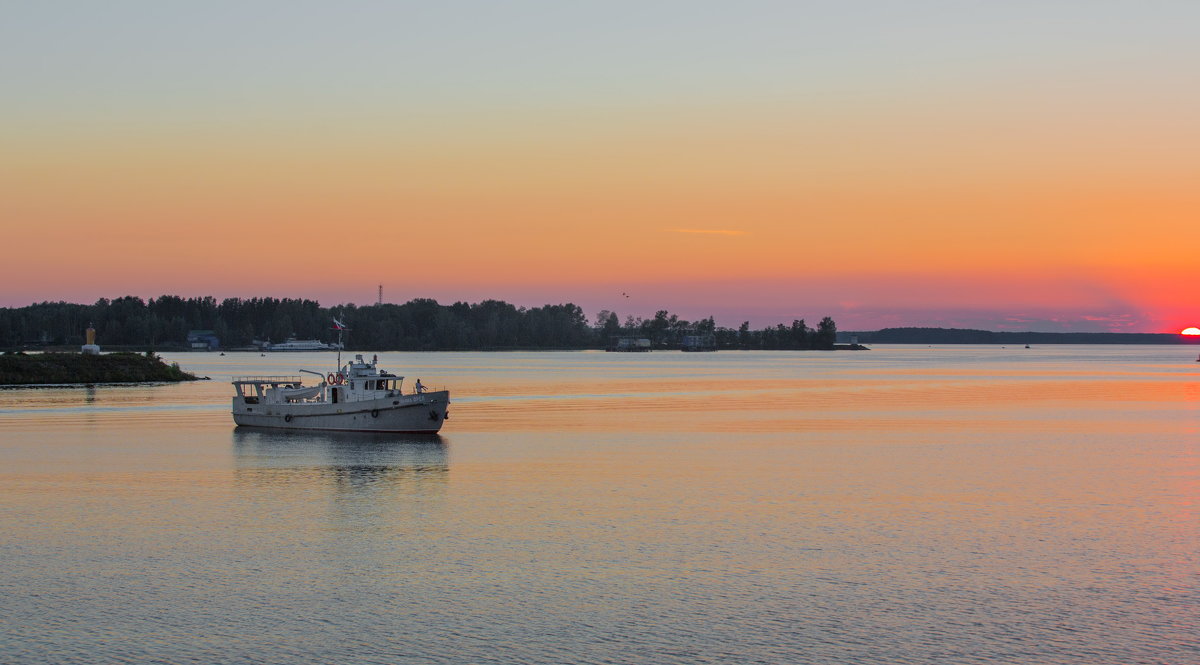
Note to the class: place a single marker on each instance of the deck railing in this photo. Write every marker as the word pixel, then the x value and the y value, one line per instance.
pixel 267 379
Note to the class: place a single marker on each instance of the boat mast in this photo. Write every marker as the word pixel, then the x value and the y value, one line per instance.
pixel 340 328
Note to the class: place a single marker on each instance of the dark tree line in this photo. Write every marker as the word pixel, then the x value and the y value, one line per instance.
pixel 420 324
pixel 666 330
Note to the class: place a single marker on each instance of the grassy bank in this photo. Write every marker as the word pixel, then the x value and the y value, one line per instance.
pixel 41 368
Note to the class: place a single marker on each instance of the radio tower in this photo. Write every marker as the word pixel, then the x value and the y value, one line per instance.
pixel 380 295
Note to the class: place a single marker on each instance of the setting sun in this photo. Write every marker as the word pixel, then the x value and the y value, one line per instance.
pixel 1190 331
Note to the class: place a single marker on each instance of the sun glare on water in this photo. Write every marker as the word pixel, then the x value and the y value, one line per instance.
pixel 1190 331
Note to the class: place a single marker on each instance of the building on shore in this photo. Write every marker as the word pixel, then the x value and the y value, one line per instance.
pixel 628 344
pixel 203 340
pixel 698 342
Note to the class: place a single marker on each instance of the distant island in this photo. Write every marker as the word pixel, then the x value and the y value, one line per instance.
pixel 174 323
pixel 968 336
pixel 78 368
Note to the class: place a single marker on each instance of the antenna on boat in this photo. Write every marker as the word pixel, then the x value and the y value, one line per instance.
pixel 341 328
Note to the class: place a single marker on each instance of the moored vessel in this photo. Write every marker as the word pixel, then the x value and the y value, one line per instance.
pixel 293 344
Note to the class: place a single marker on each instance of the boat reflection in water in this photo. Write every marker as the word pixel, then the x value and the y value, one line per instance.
pixel 347 460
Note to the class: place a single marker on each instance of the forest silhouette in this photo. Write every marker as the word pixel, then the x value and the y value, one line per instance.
pixel 418 325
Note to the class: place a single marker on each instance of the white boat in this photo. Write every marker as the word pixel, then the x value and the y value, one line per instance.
pixel 359 397
pixel 293 344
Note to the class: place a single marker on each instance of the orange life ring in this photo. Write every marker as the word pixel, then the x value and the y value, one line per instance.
pixel 330 378
pixel 341 378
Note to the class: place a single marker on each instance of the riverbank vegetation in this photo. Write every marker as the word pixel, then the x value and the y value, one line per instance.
pixel 43 368
pixel 421 324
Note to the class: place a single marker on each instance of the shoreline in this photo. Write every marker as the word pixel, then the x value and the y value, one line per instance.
pixel 56 368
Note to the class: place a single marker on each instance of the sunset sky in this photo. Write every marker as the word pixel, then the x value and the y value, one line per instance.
pixel 1011 166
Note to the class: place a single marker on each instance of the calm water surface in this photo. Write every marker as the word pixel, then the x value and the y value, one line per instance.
pixel 903 505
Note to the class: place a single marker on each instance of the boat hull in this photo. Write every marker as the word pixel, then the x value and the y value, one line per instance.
pixel 409 413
